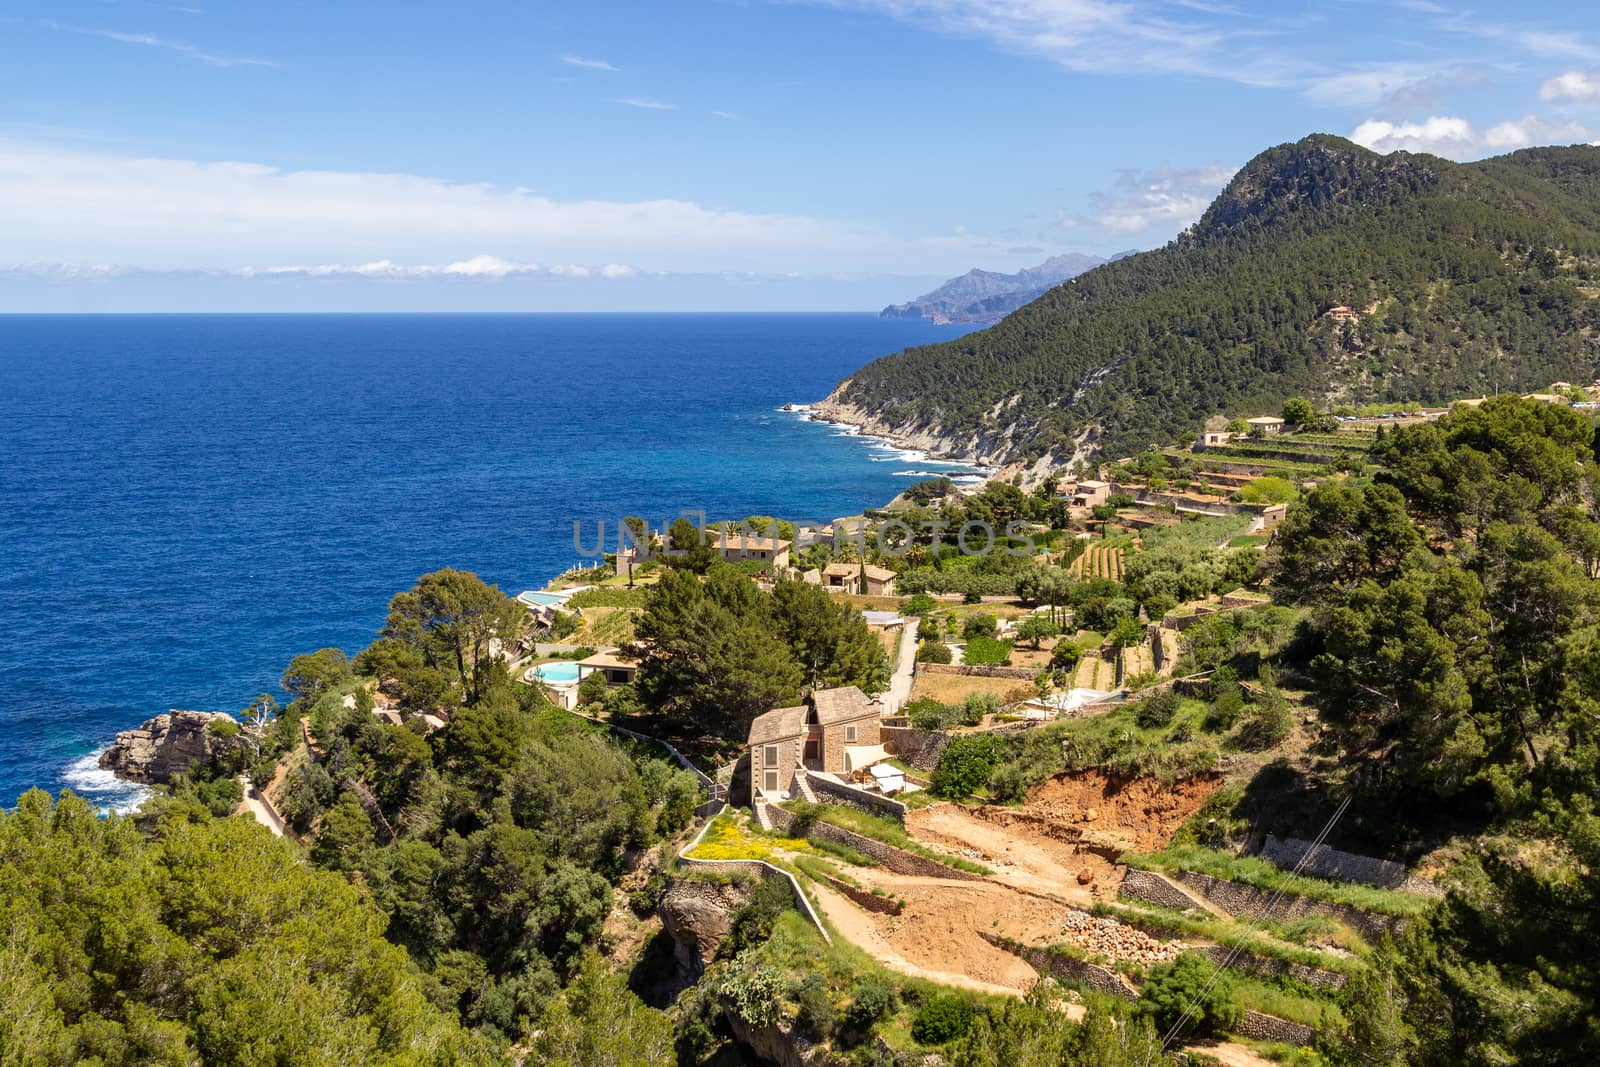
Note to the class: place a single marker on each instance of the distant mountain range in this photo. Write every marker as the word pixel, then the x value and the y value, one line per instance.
pixel 986 296
pixel 1323 270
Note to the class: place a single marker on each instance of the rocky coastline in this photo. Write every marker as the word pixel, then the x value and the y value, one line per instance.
pixel 166 746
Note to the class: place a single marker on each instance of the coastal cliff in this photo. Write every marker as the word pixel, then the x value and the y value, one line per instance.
pixel 168 745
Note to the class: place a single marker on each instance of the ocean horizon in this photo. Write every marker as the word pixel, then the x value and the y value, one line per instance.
pixel 191 500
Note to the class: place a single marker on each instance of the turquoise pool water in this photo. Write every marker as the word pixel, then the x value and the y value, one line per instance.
pixel 542 599
pixel 558 672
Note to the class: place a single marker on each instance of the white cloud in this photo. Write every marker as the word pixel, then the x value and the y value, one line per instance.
pixel 149 40
pixel 588 64
pixel 1532 130
pixel 1456 138
pixel 1574 84
pixel 648 103
pixel 1441 135
pixel 1167 198
pixel 57 204
pixel 725 114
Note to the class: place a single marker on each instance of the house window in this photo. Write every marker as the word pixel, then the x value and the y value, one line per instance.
pixel 849 734
pixel 770 757
pixel 772 782
pixel 812 751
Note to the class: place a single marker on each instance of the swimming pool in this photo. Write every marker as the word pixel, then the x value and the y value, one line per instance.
pixel 557 673
pixel 543 600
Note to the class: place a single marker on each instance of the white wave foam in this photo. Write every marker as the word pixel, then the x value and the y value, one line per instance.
pixel 102 788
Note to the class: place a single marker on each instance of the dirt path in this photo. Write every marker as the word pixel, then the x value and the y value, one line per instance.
pixel 1230 1054
pixel 905 668
pixel 1024 860
pixel 260 808
pixel 864 931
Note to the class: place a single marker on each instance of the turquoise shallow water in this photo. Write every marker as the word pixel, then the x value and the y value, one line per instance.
pixel 188 501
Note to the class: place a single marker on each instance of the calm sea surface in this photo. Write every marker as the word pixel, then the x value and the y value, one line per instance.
pixel 188 501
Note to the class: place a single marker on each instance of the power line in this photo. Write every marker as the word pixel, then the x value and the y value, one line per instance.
pixel 1305 857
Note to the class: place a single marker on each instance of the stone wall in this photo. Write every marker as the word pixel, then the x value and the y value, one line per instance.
pixel 1066 968
pixel 920 748
pixel 1339 866
pixel 1270 966
pixel 1260 1026
pixel 873 902
pixel 977 671
pixel 862 799
pixel 888 856
pixel 1251 902
pixel 745 868
pixel 1154 888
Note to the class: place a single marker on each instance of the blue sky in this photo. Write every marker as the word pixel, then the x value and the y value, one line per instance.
pixel 807 153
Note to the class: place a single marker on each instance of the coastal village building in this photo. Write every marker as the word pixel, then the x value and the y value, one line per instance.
pixel 854 578
pixel 835 732
pixel 1262 425
pixel 1214 438
pixel 1091 493
pixel 737 548
pixel 617 668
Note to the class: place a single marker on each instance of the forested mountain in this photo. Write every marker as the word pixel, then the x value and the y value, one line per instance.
pixel 1323 269
pixel 987 296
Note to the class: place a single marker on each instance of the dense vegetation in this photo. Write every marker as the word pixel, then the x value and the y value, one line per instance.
pixel 1455 639
pixel 198 940
pixel 1475 276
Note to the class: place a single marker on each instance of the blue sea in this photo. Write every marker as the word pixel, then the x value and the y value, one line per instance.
pixel 188 501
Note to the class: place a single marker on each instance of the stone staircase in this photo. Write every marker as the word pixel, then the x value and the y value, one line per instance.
pixel 763 819
pixel 802 785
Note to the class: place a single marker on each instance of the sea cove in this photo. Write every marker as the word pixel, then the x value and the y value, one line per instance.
pixel 192 500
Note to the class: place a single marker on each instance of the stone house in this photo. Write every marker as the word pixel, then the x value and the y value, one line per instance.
pixel 1091 493
pixel 854 578
pixel 1262 425
pixel 737 548
pixel 835 732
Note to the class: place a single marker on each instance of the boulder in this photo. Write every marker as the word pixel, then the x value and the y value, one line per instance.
pixel 166 746
pixel 697 915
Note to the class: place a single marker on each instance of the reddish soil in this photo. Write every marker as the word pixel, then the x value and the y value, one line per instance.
pixel 1038 862
pixel 1139 813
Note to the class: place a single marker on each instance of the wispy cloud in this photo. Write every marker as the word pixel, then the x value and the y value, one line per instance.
pixel 648 103
pixel 1455 138
pixel 1165 199
pixel 1399 86
pixel 150 40
pixel 583 63
pixel 1108 36
pixel 725 114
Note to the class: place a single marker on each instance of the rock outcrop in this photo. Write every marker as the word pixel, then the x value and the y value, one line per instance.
pixel 697 915
pixel 168 745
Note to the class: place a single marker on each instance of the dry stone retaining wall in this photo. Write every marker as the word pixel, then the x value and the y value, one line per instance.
pixel 1067 968
pixel 871 803
pixel 972 670
pixel 1339 866
pixel 872 902
pixel 920 748
pixel 1153 888
pixel 1263 1027
pixel 1270 966
pixel 1250 902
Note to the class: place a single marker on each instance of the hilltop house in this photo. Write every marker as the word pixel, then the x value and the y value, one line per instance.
pixel 835 732
pixel 613 665
pixel 854 578
pixel 1091 493
pixel 737 548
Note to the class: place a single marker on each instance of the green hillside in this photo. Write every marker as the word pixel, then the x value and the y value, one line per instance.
pixel 1463 278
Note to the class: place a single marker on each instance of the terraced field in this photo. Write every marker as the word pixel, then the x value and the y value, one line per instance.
pixel 1098 561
